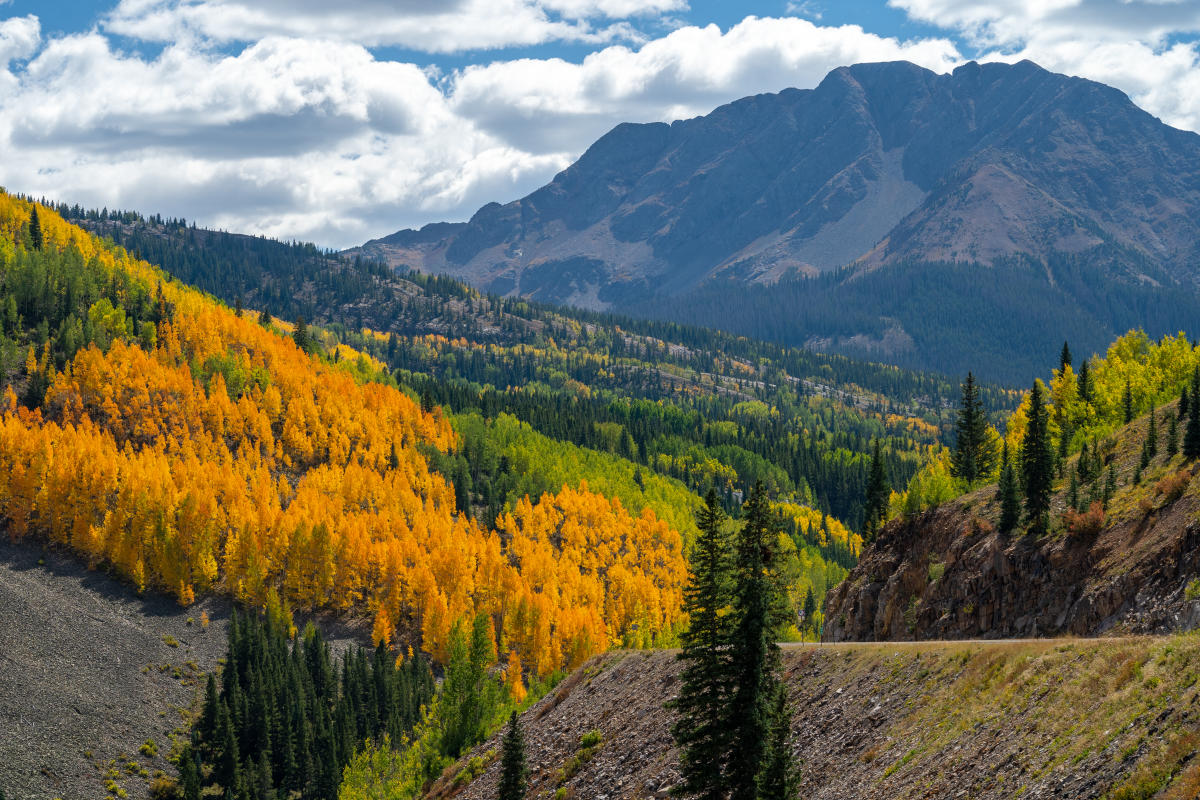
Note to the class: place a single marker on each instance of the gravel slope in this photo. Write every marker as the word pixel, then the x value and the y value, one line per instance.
pixel 83 671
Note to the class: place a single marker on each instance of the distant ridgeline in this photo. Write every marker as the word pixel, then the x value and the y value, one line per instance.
pixel 690 403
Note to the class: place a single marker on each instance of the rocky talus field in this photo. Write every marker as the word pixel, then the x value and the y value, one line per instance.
pixel 1116 718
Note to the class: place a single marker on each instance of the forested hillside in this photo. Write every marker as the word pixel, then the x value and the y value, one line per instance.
pixel 691 403
pixel 191 448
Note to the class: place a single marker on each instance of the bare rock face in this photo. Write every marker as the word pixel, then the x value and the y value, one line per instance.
pixel 879 164
pixel 949 574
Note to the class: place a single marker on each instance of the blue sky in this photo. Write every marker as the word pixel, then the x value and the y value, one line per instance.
pixel 338 122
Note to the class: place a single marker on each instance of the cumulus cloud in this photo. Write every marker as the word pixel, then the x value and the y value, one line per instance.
pixel 1131 44
pixel 19 38
pixel 554 104
pixel 425 25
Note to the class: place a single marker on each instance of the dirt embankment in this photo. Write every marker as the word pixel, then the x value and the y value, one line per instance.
pixel 1048 719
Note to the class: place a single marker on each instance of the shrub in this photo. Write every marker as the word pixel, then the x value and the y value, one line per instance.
pixel 149 749
pixel 169 640
pixel 936 570
pixel 164 787
pixel 1172 486
pixel 1085 523
pixel 1192 592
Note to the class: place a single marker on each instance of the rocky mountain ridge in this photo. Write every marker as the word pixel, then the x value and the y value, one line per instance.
pixel 879 164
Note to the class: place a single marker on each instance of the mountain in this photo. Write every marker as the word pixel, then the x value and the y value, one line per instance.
pixel 1061 185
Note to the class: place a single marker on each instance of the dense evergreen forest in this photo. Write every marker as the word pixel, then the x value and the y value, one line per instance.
pixel 1003 321
pixel 289 715
pixel 710 409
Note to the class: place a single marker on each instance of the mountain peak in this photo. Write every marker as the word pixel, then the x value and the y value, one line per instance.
pixel 881 163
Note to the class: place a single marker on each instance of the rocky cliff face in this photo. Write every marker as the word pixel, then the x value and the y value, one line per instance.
pixel 880 164
pixel 949 574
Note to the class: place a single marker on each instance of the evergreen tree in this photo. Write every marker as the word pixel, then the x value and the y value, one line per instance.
pixel 753 650
pixel 1152 436
pixel 300 334
pixel 779 777
pixel 702 732
pixel 1127 402
pixel 974 455
pixel 189 775
pixel 36 237
pixel 1037 461
pixel 1191 434
pixel 264 318
pixel 1064 358
pixel 1183 402
pixel 237 305
pixel 1110 485
pixel 878 493
pixel 1073 490
pixel 1010 495
pixel 1172 435
pixel 1085 383
pixel 810 609
pixel 513 772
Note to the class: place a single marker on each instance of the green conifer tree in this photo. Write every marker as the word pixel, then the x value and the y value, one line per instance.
pixel 974 455
pixel 779 778
pixel 300 334
pixel 1009 494
pixel 1127 402
pixel 1152 436
pixel 36 237
pixel 1037 462
pixel 1172 435
pixel 1183 402
pixel 513 773
pixel 753 650
pixel 1110 485
pixel 1191 434
pixel 702 731
pixel 1064 358
pixel 879 491
pixel 1085 383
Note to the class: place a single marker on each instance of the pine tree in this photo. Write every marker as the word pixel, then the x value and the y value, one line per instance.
pixel 974 456
pixel 1127 402
pixel 1037 461
pixel 702 732
pixel 36 237
pixel 753 650
pixel 879 491
pixel 1064 358
pixel 1010 495
pixel 1073 490
pixel 264 318
pixel 237 305
pixel 779 777
pixel 1183 402
pixel 513 773
pixel 1152 436
pixel 1085 383
pixel 810 609
pixel 300 334
pixel 1110 485
pixel 189 775
pixel 1191 434
pixel 1172 435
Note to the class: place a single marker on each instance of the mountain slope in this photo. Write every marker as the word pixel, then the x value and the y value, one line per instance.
pixel 880 162
pixel 1043 720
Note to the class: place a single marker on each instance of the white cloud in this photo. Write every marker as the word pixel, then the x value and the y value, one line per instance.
pixel 556 104
pixel 19 38
pixel 1130 44
pixel 436 26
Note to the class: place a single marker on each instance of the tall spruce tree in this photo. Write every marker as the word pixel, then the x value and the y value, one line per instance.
pixel 879 491
pixel 753 650
pixel 1152 436
pixel 1183 402
pixel 702 731
pixel 1037 461
pixel 1064 358
pixel 36 237
pixel 513 772
pixel 779 777
pixel 1172 435
pixel 1009 494
pixel 1085 383
pixel 1191 434
pixel 974 455
pixel 1127 402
